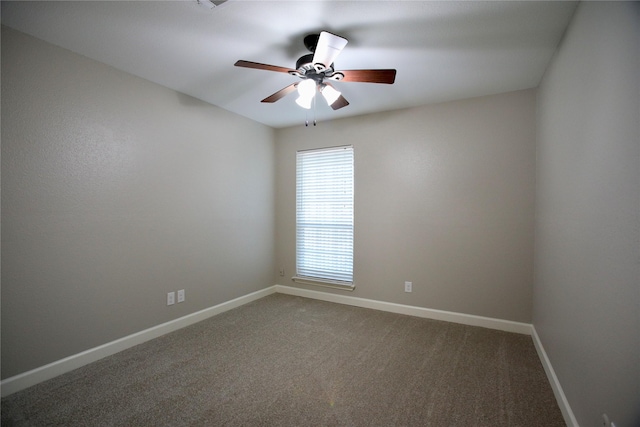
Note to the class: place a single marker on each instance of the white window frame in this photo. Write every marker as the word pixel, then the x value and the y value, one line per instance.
pixel 325 217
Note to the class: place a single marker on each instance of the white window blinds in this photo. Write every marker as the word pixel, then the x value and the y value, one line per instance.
pixel 324 214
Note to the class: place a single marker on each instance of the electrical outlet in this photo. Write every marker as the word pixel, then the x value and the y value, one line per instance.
pixel 408 286
pixel 181 295
pixel 282 272
pixel 171 298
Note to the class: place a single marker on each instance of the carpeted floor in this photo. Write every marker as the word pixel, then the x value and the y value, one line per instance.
pixel 291 361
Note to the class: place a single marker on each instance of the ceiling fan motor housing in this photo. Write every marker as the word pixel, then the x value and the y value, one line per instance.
pixel 306 69
pixel 305 63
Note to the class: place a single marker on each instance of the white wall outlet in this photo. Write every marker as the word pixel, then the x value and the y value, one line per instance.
pixel 408 286
pixel 181 295
pixel 282 272
pixel 171 298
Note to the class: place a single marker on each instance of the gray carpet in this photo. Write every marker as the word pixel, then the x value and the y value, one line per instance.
pixel 291 361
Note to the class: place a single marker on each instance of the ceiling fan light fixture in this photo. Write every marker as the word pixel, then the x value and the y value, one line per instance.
pixel 304 102
pixel 307 88
pixel 330 94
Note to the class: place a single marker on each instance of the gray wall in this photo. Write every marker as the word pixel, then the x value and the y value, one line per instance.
pixel 116 191
pixel 444 198
pixel 587 264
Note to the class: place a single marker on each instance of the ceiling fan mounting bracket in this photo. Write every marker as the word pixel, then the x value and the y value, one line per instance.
pixel 311 41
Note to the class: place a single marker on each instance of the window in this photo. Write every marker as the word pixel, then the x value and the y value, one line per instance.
pixel 324 217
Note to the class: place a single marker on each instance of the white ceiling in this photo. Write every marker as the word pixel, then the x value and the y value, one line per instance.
pixel 442 50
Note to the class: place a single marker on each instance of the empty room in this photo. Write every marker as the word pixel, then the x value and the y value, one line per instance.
pixel 296 213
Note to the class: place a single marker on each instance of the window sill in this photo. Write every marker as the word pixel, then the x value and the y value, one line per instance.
pixel 324 283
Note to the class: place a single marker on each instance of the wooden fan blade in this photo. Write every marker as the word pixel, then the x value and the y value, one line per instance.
pixel 369 76
pixel 281 93
pixel 328 48
pixel 339 103
pixel 259 66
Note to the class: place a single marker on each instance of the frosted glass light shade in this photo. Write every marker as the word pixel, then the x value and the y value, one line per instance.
pixel 307 88
pixel 304 102
pixel 330 94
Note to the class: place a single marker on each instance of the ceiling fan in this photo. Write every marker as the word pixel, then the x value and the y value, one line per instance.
pixel 317 70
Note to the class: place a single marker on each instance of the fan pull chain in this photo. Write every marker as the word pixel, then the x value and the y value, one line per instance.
pixel 314 108
pixel 306 120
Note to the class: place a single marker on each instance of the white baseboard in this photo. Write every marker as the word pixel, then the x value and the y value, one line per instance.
pixel 46 372
pixel 447 316
pixel 563 403
pixel 59 367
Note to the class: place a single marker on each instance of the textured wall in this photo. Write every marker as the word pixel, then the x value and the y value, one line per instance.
pixel 587 264
pixel 116 191
pixel 443 198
